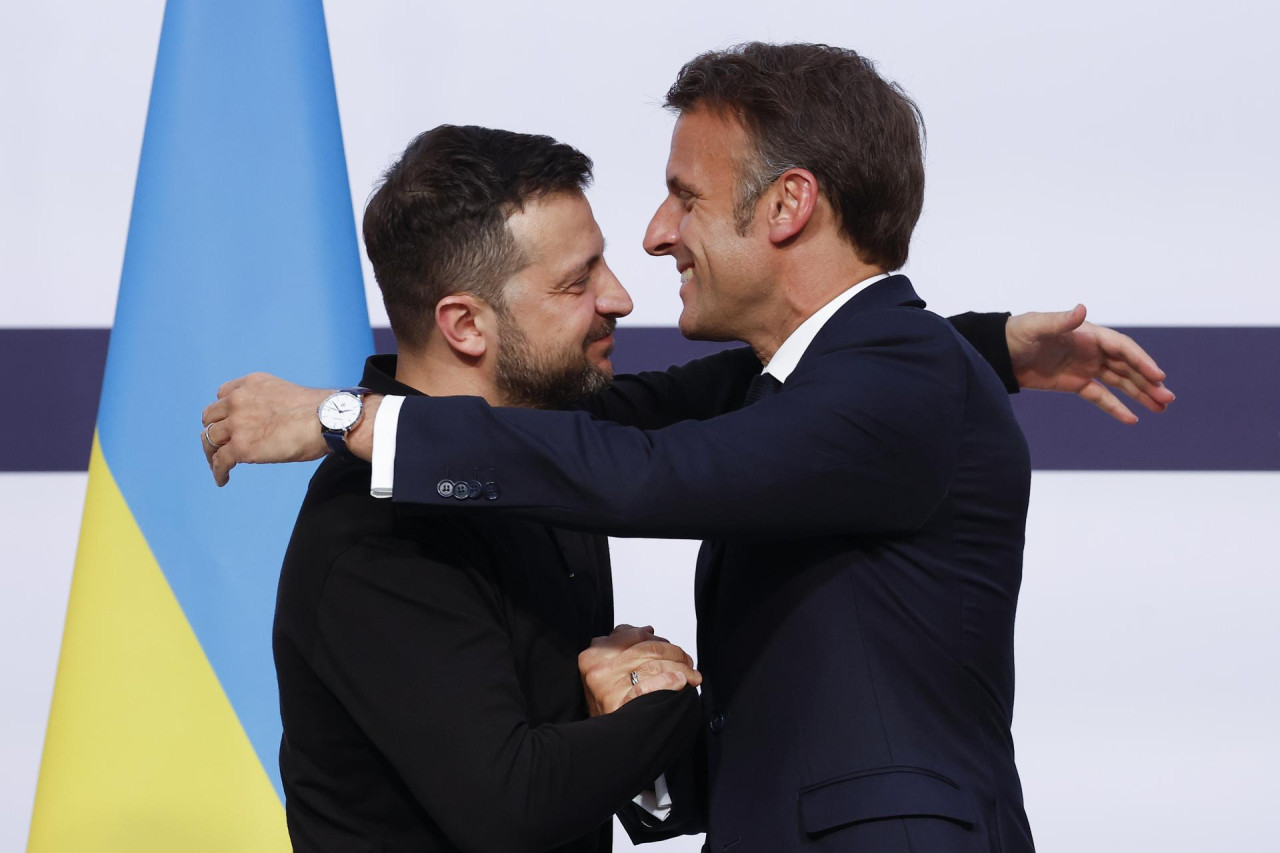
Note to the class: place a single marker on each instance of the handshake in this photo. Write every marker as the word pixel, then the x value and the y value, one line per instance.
pixel 631 662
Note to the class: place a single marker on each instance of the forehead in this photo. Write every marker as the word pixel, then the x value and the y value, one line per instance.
pixel 557 231
pixel 707 146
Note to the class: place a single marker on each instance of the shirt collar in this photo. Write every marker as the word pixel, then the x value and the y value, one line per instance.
pixel 793 348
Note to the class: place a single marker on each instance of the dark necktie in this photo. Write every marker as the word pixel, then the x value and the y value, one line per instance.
pixel 761 386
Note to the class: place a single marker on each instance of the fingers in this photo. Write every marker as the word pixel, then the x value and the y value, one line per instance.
pixel 656 649
pixel 1120 347
pixel 665 681
pixel 613 667
pixel 217 434
pixel 624 636
pixel 215 438
pixel 215 441
pixel 208 449
pixel 630 634
pixel 1156 398
pixel 617 677
pixel 1124 380
pixel 654 668
pixel 1155 392
pixel 619 639
pixel 261 418
pixel 614 654
pixel 221 464
pixel 1097 393
pixel 227 387
pixel 216 411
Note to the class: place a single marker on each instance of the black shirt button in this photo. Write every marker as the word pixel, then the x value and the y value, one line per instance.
pixel 474 489
pixel 491 491
pixel 461 491
pixel 716 724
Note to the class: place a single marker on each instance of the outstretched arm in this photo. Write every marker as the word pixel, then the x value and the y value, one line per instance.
pixel 260 418
pixel 883 409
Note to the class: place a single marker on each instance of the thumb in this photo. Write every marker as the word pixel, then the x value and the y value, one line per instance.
pixel 1061 322
pixel 1037 326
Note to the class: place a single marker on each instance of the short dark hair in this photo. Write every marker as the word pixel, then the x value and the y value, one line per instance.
pixel 436 223
pixel 824 109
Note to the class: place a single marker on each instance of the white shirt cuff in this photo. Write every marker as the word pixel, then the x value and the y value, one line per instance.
pixel 384 447
pixel 656 801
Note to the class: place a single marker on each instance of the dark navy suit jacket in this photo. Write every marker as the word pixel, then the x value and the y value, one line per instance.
pixel 857 591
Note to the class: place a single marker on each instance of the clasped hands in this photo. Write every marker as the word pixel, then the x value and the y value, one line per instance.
pixel 631 662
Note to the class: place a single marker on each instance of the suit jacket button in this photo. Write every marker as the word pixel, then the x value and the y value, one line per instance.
pixel 474 489
pixel 716 724
pixel 444 488
pixel 491 491
pixel 461 491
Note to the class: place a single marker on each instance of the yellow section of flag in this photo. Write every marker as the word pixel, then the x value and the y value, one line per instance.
pixel 144 752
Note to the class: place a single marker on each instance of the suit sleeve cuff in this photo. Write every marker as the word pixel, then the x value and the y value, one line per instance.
pixel 985 332
pixel 384 447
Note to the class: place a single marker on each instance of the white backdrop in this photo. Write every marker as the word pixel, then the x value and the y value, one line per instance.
pixel 1116 153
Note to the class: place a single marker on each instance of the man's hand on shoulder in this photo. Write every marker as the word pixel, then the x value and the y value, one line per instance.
pixel 262 418
pixel 629 663
pixel 1059 351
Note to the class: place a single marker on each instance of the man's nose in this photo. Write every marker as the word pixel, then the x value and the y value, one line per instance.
pixel 613 299
pixel 660 238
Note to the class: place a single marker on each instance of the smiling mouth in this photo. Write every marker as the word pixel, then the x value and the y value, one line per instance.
pixel 686 275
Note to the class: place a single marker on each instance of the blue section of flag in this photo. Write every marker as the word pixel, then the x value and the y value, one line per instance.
pixel 241 256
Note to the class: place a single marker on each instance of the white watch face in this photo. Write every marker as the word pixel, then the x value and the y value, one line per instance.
pixel 340 411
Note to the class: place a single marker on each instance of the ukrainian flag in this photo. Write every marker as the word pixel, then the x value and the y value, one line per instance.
pixel 241 256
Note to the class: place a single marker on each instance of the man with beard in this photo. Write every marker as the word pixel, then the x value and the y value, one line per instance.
pixel 427 662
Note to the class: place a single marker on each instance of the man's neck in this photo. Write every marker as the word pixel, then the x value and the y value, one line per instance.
pixel 805 284
pixel 444 375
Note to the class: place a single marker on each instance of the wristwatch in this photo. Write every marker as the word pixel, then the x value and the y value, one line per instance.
pixel 339 414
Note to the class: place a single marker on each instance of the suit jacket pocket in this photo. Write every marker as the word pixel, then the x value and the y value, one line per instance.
pixel 886 792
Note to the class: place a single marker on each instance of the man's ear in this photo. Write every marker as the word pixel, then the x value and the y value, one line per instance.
pixel 466 323
pixel 792 200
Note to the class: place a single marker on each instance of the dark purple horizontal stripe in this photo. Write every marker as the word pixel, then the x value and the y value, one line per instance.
pixel 55 378
pixel 1227 417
